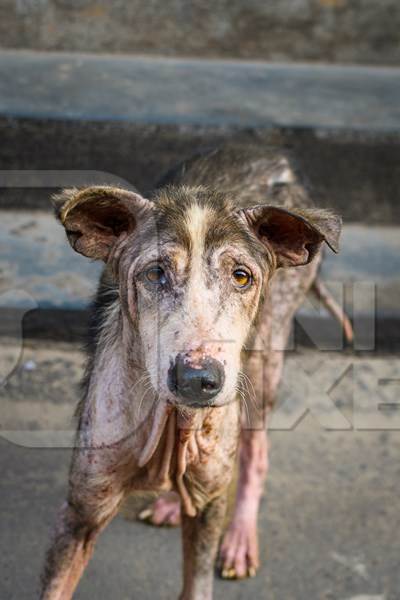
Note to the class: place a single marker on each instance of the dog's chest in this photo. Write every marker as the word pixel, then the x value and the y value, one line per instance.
pixel 194 457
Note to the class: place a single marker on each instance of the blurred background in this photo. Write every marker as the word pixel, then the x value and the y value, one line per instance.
pixel 119 92
pixel 337 31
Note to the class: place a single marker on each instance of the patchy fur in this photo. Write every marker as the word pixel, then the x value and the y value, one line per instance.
pixel 186 273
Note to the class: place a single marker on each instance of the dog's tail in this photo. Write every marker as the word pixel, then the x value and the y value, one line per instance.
pixel 323 294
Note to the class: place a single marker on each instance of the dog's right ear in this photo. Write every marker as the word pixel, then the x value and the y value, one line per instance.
pixel 296 235
pixel 96 217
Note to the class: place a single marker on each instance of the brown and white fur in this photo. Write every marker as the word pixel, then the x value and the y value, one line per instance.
pixel 185 290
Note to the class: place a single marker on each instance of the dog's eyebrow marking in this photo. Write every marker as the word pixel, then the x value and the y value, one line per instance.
pixel 197 219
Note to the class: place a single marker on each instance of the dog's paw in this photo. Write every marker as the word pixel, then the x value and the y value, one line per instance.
pixel 238 555
pixel 163 512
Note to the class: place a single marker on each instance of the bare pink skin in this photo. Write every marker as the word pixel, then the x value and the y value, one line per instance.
pixel 239 548
pixel 182 269
pixel 166 510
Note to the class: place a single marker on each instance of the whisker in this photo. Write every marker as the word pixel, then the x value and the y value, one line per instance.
pixel 249 382
pixel 146 391
pixel 246 382
pixel 143 379
pixel 243 397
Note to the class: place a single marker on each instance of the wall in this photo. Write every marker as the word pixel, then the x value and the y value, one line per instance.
pixel 359 31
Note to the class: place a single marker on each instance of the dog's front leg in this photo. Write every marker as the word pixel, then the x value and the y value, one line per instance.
pixel 239 552
pixel 68 555
pixel 200 542
pixel 93 499
pixel 239 555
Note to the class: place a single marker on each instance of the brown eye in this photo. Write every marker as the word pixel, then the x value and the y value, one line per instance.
pixel 241 278
pixel 156 275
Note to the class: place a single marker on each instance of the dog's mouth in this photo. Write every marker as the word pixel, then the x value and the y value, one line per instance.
pixel 178 402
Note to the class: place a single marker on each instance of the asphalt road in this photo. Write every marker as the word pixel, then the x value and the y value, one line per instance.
pixel 329 521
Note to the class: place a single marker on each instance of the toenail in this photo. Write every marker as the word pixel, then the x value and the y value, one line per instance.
pixel 145 514
pixel 224 573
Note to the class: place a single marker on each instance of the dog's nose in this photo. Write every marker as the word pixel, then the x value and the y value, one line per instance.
pixel 197 385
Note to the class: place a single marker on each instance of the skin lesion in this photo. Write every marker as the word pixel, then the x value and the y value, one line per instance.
pixel 205 240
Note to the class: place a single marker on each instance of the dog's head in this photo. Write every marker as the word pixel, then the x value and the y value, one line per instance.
pixel 190 269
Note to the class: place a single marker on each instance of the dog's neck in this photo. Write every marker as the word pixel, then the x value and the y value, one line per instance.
pixel 171 447
pixel 164 440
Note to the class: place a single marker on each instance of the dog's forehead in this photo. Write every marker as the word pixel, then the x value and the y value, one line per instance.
pixel 199 220
pixel 190 225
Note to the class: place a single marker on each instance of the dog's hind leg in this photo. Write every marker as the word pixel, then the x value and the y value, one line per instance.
pixel 165 511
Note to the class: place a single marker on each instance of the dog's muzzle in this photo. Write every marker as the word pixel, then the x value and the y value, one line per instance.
pixel 197 385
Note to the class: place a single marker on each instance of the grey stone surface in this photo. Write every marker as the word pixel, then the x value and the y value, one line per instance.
pixel 37 259
pixel 160 91
pixel 345 139
pixel 363 31
pixel 356 174
pixel 329 519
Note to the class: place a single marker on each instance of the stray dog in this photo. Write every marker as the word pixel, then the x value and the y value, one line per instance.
pixel 196 277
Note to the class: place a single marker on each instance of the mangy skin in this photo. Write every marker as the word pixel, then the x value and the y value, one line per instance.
pixel 133 434
pixel 247 178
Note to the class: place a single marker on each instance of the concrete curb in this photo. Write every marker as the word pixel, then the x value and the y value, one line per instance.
pixel 60 112
pixel 162 91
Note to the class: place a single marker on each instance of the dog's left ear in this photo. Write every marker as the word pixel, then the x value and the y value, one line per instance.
pixel 96 217
pixel 294 236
